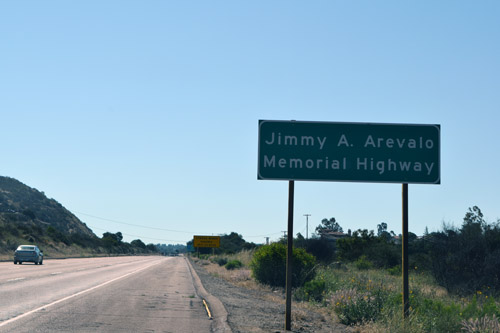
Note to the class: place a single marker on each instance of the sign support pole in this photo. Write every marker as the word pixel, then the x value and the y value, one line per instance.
pixel 289 257
pixel 406 304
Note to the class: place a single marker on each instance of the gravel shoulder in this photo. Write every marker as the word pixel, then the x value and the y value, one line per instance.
pixel 251 310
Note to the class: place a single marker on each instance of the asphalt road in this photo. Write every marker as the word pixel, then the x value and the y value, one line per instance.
pixel 119 294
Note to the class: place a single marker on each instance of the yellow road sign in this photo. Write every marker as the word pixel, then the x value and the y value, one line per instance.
pixel 206 241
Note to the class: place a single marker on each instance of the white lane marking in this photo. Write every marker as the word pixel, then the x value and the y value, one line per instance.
pixel 55 273
pixel 16 279
pixel 3 323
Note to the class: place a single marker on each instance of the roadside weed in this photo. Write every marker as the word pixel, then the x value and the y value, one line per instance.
pixel 371 299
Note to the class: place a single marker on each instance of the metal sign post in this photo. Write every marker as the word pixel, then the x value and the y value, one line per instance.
pixel 289 258
pixel 406 303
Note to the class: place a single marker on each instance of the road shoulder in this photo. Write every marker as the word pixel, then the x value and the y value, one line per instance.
pixel 250 310
pixel 219 313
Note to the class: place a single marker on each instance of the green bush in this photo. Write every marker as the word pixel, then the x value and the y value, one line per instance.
pixel 362 263
pixel 221 261
pixel 438 316
pixel 233 264
pixel 313 290
pixel 467 259
pixel 480 306
pixel 359 308
pixel 269 265
pixel 396 270
pixel 322 249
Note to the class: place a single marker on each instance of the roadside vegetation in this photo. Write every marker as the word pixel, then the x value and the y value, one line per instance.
pixel 356 280
pixel 55 243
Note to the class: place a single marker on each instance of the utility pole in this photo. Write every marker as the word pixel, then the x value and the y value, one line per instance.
pixel 307 223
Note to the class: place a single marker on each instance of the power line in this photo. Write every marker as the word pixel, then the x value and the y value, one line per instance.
pixel 158 239
pixel 155 228
pixel 258 236
pixel 133 225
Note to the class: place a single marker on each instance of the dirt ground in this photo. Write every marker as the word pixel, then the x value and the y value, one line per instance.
pixel 253 309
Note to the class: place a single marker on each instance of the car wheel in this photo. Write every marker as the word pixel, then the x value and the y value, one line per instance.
pixel 36 262
pixel 20 263
pixel 41 262
pixel 15 262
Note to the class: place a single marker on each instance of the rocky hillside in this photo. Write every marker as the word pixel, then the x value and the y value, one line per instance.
pixel 21 204
pixel 27 216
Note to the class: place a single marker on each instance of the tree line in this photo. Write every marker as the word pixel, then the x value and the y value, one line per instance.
pixel 462 259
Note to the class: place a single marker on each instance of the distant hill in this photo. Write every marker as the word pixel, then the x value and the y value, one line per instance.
pixel 21 203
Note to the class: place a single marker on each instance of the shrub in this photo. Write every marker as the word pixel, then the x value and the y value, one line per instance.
pixel 481 305
pixel 313 290
pixel 269 265
pixel 437 316
pixel 233 264
pixel 362 263
pixel 221 261
pixel 357 307
pixel 467 259
pixel 396 270
pixel 379 250
pixel 322 249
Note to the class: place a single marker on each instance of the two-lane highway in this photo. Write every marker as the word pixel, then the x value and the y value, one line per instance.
pixel 118 294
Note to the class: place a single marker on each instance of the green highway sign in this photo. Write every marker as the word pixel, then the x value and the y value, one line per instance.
pixel 350 152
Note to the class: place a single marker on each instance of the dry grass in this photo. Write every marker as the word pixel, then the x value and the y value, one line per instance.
pixel 244 256
pixel 433 291
pixel 485 324
pixel 243 278
pixel 240 277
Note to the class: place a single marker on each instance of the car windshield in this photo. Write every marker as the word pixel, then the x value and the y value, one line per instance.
pixel 26 248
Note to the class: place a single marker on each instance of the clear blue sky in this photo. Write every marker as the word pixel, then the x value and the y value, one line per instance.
pixel 146 112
